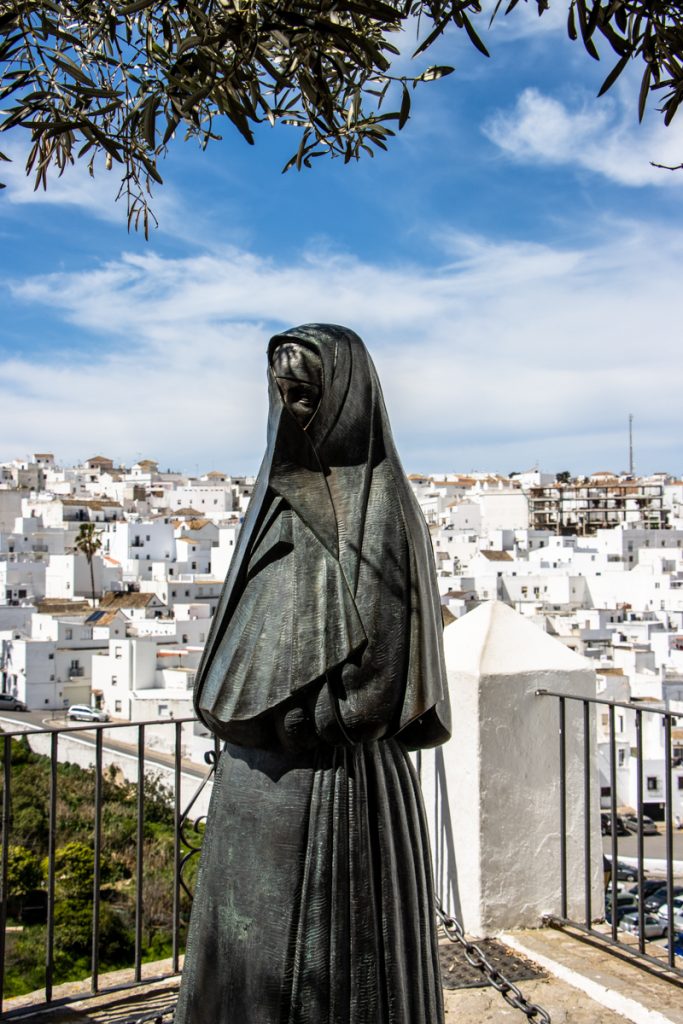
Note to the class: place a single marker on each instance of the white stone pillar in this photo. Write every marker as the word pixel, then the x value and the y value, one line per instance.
pixel 492 794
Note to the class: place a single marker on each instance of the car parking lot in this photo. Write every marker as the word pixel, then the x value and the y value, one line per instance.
pixel 654 875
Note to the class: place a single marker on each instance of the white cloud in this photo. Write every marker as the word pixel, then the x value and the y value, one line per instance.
pixel 74 187
pixel 602 136
pixel 505 354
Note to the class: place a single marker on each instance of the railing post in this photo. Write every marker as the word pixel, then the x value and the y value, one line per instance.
pixel 587 873
pixel 668 797
pixel 613 816
pixel 97 864
pixel 6 824
pixel 51 850
pixel 139 854
pixel 177 815
pixel 563 807
pixel 640 844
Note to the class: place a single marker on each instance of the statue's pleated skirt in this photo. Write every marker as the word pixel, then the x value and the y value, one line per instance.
pixel 314 901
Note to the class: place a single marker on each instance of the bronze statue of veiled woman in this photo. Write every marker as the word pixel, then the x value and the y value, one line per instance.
pixel 324 666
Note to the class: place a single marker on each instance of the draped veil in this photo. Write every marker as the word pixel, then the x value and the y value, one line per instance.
pixel 363 587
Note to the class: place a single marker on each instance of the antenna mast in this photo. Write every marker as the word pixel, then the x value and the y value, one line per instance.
pixel 630 444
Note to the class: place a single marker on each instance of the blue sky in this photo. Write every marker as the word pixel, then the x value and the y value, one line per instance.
pixel 513 264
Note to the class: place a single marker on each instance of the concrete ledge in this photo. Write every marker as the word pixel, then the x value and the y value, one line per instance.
pixel 612 983
pixel 122 998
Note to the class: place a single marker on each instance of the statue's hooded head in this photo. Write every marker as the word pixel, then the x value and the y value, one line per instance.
pixel 322 379
pixel 298 372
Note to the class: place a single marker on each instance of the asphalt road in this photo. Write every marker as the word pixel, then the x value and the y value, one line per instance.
pixel 56 720
pixel 654 847
pixel 39 718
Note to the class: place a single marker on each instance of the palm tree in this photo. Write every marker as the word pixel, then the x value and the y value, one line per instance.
pixel 88 543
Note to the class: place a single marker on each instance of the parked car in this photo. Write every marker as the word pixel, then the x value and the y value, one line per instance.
pixel 10 703
pixel 631 823
pixel 650 887
pixel 625 904
pixel 653 927
pixel 606 825
pixel 84 713
pixel 654 902
pixel 626 872
pixel 622 912
pixel 677 907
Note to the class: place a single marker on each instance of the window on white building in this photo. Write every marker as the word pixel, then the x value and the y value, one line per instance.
pixel 621 758
pixel 114 680
pixel 117 706
pixel 118 652
pixel 652 783
pixel 68 634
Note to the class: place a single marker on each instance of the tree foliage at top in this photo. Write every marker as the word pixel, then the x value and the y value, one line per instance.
pixel 120 79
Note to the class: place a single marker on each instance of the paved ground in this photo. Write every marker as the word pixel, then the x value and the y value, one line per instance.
pixel 582 985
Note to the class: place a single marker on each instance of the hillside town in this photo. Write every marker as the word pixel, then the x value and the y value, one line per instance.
pixel 109 577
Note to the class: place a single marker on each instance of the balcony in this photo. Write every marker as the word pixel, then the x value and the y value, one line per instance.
pixel 539 885
pixel 76 671
pixel 68 931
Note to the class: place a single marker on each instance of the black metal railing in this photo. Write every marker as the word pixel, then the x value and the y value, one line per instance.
pixel 144 764
pixel 595 917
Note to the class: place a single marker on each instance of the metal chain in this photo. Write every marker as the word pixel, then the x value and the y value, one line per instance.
pixel 155 1017
pixel 477 958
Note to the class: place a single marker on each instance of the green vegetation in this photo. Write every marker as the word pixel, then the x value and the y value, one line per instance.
pixel 74 866
pixel 119 80
pixel 88 543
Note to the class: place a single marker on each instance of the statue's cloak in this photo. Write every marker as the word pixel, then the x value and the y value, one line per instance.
pixel 314 901
pixel 333 571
